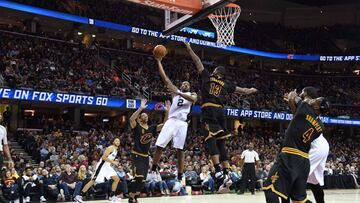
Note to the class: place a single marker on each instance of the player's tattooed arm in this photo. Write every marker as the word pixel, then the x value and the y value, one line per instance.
pixel 167 109
pixel 106 154
pixel 293 99
pixel 136 114
pixel 195 58
pixel 240 90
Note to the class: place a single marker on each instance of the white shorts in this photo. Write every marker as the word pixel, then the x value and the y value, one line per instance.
pixel 175 130
pixel 317 155
pixel 103 172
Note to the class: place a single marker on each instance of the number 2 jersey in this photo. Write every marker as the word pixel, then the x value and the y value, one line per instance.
pixel 303 128
pixel 214 89
pixel 180 107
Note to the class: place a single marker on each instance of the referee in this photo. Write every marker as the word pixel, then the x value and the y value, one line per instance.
pixel 4 149
pixel 248 159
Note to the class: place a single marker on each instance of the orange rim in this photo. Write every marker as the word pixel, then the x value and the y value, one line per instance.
pixel 225 16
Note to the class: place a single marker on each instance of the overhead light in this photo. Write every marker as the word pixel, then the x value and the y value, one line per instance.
pixel 79 33
pixel 321 11
pixel 250 14
pixel 105 120
pixel 90 114
pixel 93 35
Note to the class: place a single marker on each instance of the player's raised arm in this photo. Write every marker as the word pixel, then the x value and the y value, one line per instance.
pixel 136 114
pixel 167 107
pixel 163 75
pixel 195 58
pixel 240 90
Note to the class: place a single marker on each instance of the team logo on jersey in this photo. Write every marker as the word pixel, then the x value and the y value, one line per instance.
pixel 146 138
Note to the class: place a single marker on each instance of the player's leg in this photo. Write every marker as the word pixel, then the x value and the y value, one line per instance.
pixel 318 192
pixel 300 175
pixel 271 197
pixel 89 184
pixel 162 141
pixel 178 143
pixel 221 141
pixel 140 169
pixel 116 180
pixel 210 129
pixel 278 184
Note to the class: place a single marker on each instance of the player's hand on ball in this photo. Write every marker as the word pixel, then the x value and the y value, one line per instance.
pixel 143 104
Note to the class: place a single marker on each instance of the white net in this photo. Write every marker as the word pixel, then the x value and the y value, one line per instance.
pixel 224 20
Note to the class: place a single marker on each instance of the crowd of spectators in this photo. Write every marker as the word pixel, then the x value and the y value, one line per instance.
pixel 250 34
pixel 64 168
pixel 42 64
pixel 113 11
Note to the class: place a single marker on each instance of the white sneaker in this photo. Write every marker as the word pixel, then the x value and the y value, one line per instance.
pixel 42 199
pixel 27 199
pixel 114 199
pixel 78 198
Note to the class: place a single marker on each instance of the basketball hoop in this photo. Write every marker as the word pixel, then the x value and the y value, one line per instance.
pixel 224 20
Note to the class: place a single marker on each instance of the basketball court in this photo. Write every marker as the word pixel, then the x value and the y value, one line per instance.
pixel 331 196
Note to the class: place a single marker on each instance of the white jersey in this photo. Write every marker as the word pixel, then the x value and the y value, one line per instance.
pixel 104 171
pixel 180 107
pixel 111 157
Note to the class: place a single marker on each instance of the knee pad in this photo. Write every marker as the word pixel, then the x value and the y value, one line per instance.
pixel 271 197
pixel 212 147
pixel 222 150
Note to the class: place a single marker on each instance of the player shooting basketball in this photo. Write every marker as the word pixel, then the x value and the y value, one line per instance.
pixel 214 88
pixel 175 127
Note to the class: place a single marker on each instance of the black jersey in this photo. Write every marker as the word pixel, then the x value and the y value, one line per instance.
pixel 303 128
pixel 142 138
pixel 214 89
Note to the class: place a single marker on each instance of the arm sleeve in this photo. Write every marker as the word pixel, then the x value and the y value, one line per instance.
pixel 231 87
pixel 205 75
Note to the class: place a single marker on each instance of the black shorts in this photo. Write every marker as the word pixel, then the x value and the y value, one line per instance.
pixel 288 177
pixel 140 165
pixel 213 123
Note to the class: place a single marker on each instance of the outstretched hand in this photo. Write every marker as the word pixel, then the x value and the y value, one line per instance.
pixel 143 104
pixel 290 95
pixel 252 90
pixel 187 44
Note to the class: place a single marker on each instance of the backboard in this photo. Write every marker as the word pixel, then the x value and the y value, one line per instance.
pixel 194 10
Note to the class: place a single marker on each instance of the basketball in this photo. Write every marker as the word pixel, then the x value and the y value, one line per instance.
pixel 160 51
